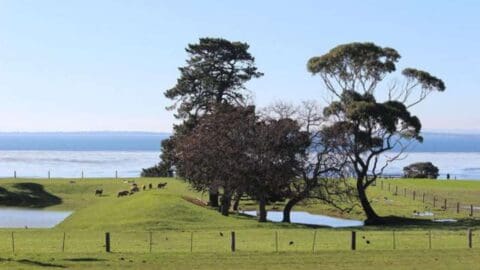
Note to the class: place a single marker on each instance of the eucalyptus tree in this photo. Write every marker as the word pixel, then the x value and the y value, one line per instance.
pixel 362 125
pixel 215 73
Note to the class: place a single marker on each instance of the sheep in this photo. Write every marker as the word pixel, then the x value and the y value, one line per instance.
pixel 161 185
pixel 122 193
pixel 99 192
pixel 150 186
pixel 134 189
pixel 144 187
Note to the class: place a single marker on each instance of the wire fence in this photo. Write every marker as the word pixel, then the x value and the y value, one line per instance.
pixel 34 241
pixel 434 201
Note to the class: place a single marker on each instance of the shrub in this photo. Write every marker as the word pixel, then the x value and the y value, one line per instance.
pixel 421 170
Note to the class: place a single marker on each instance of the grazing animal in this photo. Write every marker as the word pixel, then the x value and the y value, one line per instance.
pixel 291 243
pixel 150 186
pixel 134 189
pixel 221 234
pixel 161 185
pixel 144 187
pixel 99 192
pixel 122 193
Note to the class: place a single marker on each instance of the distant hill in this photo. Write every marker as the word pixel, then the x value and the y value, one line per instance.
pixel 82 141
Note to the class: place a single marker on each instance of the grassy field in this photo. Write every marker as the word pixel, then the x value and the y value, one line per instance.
pixel 160 226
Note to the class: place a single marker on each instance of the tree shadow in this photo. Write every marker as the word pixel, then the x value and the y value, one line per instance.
pixel 38 263
pixel 390 222
pixel 31 195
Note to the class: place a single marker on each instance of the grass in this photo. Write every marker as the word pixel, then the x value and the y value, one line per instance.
pixel 399 259
pixel 181 234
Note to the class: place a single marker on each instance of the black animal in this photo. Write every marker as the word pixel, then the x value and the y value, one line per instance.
pixel 98 192
pixel 161 185
pixel 122 193
pixel 150 186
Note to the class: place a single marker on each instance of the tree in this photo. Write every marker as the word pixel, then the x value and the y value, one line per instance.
pixel 363 128
pixel 213 153
pixel 273 157
pixel 215 73
pixel 421 170
pixel 320 170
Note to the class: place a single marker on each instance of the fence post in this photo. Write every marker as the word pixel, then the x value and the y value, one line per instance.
pixel 276 241
pixel 429 239
pixel 116 174
pixel 14 174
pixel 48 174
pixel 423 197
pixel 354 240
pixel 469 236
pixel 388 187
pixel 191 242
pixel 63 242
pixel 107 242
pixel 471 210
pixel 404 192
pixel 381 184
pixel 393 236
pixel 414 195
pixel 315 238
pixel 82 174
pixel 434 200
pixel 13 243
pixel 150 241
pixel 396 190
pixel 458 207
pixel 445 204
pixel 233 242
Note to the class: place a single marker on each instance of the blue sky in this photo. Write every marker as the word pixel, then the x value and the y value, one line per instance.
pixel 104 65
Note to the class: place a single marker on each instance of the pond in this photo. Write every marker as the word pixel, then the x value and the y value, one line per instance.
pixel 310 219
pixel 23 218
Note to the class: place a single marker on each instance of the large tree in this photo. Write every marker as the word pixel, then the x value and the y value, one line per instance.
pixel 215 73
pixel 364 127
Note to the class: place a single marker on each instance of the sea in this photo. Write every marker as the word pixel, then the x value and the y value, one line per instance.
pixel 77 154
pixel 107 154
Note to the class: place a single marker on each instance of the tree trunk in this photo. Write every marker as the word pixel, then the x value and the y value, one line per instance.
pixel 213 197
pixel 262 217
pixel 225 207
pixel 372 217
pixel 288 208
pixel 236 201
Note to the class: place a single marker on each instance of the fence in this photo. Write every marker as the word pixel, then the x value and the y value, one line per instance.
pixel 34 241
pixel 434 200
pixel 79 174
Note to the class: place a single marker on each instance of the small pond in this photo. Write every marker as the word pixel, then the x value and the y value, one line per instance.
pixel 21 218
pixel 310 219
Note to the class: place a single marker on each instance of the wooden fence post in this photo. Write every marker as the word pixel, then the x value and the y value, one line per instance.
pixel 191 242
pixel 315 238
pixel 445 204
pixel 469 236
pixel 276 241
pixel 150 241
pixel 423 197
pixel 413 195
pixel 14 174
pixel 13 243
pixel 396 190
pixel 82 174
pixel 404 192
pixel 233 242
pixel 354 240
pixel 393 236
pixel 388 187
pixel 458 207
pixel 471 210
pixel 429 239
pixel 434 200
pixel 116 174
pixel 48 174
pixel 381 184
pixel 107 242
pixel 63 242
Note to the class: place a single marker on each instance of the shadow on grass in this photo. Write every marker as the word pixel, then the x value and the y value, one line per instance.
pixel 28 195
pixel 42 264
pixel 390 222
pixel 87 259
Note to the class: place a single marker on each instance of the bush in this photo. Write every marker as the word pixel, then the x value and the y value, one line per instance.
pixel 421 170
pixel 158 170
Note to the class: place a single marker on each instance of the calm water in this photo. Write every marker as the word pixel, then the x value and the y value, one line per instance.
pixel 311 219
pixel 21 218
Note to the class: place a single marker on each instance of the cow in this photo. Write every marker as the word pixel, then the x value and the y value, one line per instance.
pixel 150 186
pixel 134 189
pixel 144 187
pixel 99 192
pixel 122 193
pixel 161 185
